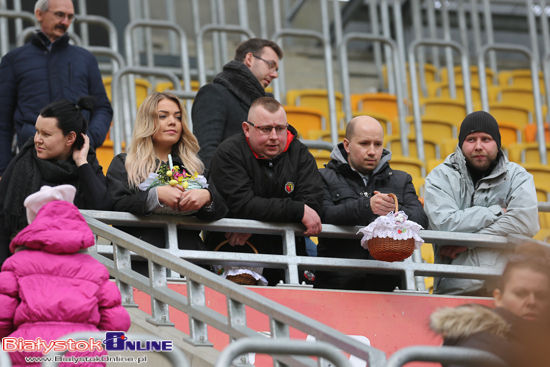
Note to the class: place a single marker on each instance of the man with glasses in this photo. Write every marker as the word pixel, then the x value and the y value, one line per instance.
pixel 221 106
pixel 46 69
pixel 267 174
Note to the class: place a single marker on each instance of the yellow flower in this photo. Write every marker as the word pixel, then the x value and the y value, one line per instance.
pixel 180 179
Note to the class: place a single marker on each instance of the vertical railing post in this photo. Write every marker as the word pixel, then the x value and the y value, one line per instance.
pixel 390 67
pixel 122 261
pixel 278 330
pixel 289 249
pixel 418 26
pixel 398 21
pixel 279 87
pixel 159 310
pixel 375 29
pixel 215 37
pixel 4 34
pixel 329 73
pixel 84 26
pixel 448 50
pixel 198 331
pixel 490 37
pixel 433 32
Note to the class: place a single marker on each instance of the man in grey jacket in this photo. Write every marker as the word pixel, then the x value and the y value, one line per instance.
pixel 477 190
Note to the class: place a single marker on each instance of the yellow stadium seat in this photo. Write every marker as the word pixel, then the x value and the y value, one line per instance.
pixel 506 112
pixel 449 109
pixel 418 183
pixel 504 77
pixel 382 103
pixel 510 132
pixel 305 119
pixel 432 163
pixel 322 157
pixel 517 96
pixel 474 75
pixel 527 153
pixel 447 147
pixel 142 89
pixel 105 154
pixel 413 166
pixel 530 132
pixel 162 86
pixel 434 127
pixel 444 91
pixel 522 78
pixel 314 98
pixel 431 147
pixel 541 173
pixel 325 135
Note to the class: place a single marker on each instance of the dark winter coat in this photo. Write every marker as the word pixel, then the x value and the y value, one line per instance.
pixel 271 190
pixel 32 77
pixel 346 201
pixel 220 108
pixel 132 200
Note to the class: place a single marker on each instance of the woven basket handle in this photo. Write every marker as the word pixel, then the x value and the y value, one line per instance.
pixel 226 241
pixel 395 201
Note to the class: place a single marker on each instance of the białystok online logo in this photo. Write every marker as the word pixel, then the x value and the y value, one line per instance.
pixel 114 341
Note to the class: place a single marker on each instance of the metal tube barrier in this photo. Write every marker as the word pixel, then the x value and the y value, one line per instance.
pixel 387 50
pixel 534 79
pixel 324 38
pixel 546 72
pixel 474 19
pixel 21 38
pixel 463 28
pixel 444 355
pixel 376 47
pixel 243 16
pixel 414 87
pixel 490 38
pixel 200 47
pixel 399 37
pixel 234 324
pixel 10 14
pixel 122 125
pixel 279 90
pixel 184 58
pixel 318 144
pixel 220 13
pixel 417 23
pixel 215 36
pixel 408 269
pixel 448 51
pixel 262 17
pixel 175 357
pixel 83 27
pixel 430 11
pixel 103 22
pixel 292 347
pixel 18 22
pixel 399 92
pixel 171 17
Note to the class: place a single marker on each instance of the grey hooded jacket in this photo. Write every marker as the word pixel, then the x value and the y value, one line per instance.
pixel 453 204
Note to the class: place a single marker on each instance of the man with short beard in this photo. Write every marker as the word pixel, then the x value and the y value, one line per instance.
pixel 44 70
pixel 477 190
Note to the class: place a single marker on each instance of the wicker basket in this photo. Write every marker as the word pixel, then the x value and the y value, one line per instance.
pixel 243 279
pixel 388 249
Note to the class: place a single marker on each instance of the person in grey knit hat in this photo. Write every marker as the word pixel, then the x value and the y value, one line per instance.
pixel 477 190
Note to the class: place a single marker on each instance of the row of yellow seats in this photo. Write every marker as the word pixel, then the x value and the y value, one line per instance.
pixel 144 88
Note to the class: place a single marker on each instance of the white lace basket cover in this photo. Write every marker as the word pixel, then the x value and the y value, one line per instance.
pixel 392 225
pixel 225 271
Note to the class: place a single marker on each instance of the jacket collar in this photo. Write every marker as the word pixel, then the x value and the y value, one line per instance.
pixel 40 40
pixel 495 178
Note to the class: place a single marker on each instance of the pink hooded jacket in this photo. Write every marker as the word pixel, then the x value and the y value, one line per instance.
pixel 48 290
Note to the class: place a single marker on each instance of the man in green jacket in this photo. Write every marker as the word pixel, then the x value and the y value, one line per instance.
pixel 477 190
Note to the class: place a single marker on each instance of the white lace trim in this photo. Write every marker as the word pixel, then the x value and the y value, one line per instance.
pixel 393 225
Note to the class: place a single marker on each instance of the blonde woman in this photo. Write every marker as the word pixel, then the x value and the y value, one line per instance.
pixel 161 129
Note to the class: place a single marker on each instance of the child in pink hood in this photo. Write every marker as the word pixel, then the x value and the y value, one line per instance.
pixel 47 288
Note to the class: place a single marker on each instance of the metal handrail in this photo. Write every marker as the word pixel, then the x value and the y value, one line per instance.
pixel 132 59
pixel 119 120
pixel 292 347
pixel 444 355
pixel 11 14
pixel 408 269
pixel 324 38
pixel 414 86
pixel 175 357
pixel 194 304
pixel 344 71
pixel 536 87
pixel 105 23
pixel 200 46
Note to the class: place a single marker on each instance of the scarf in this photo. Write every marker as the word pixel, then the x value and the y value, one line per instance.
pixel 240 81
pixel 27 177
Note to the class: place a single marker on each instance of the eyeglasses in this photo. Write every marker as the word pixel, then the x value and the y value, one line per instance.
pixel 266 130
pixel 59 15
pixel 271 64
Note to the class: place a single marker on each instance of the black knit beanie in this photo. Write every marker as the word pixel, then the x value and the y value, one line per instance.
pixel 479 121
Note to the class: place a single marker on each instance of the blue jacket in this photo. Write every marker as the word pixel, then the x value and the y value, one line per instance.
pixel 31 77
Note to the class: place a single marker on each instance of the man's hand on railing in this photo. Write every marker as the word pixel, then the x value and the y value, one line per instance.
pixel 451 251
pixel 237 239
pixel 312 221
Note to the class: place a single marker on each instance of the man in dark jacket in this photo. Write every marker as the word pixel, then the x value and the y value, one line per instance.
pixel 355 184
pixel 267 174
pixel 232 91
pixel 43 71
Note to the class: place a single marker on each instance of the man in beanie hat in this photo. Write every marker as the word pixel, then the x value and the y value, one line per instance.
pixel 477 190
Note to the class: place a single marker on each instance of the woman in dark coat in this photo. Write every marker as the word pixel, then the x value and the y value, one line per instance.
pixel 161 130
pixel 58 154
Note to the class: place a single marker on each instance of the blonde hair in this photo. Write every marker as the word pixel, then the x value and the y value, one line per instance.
pixel 141 159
